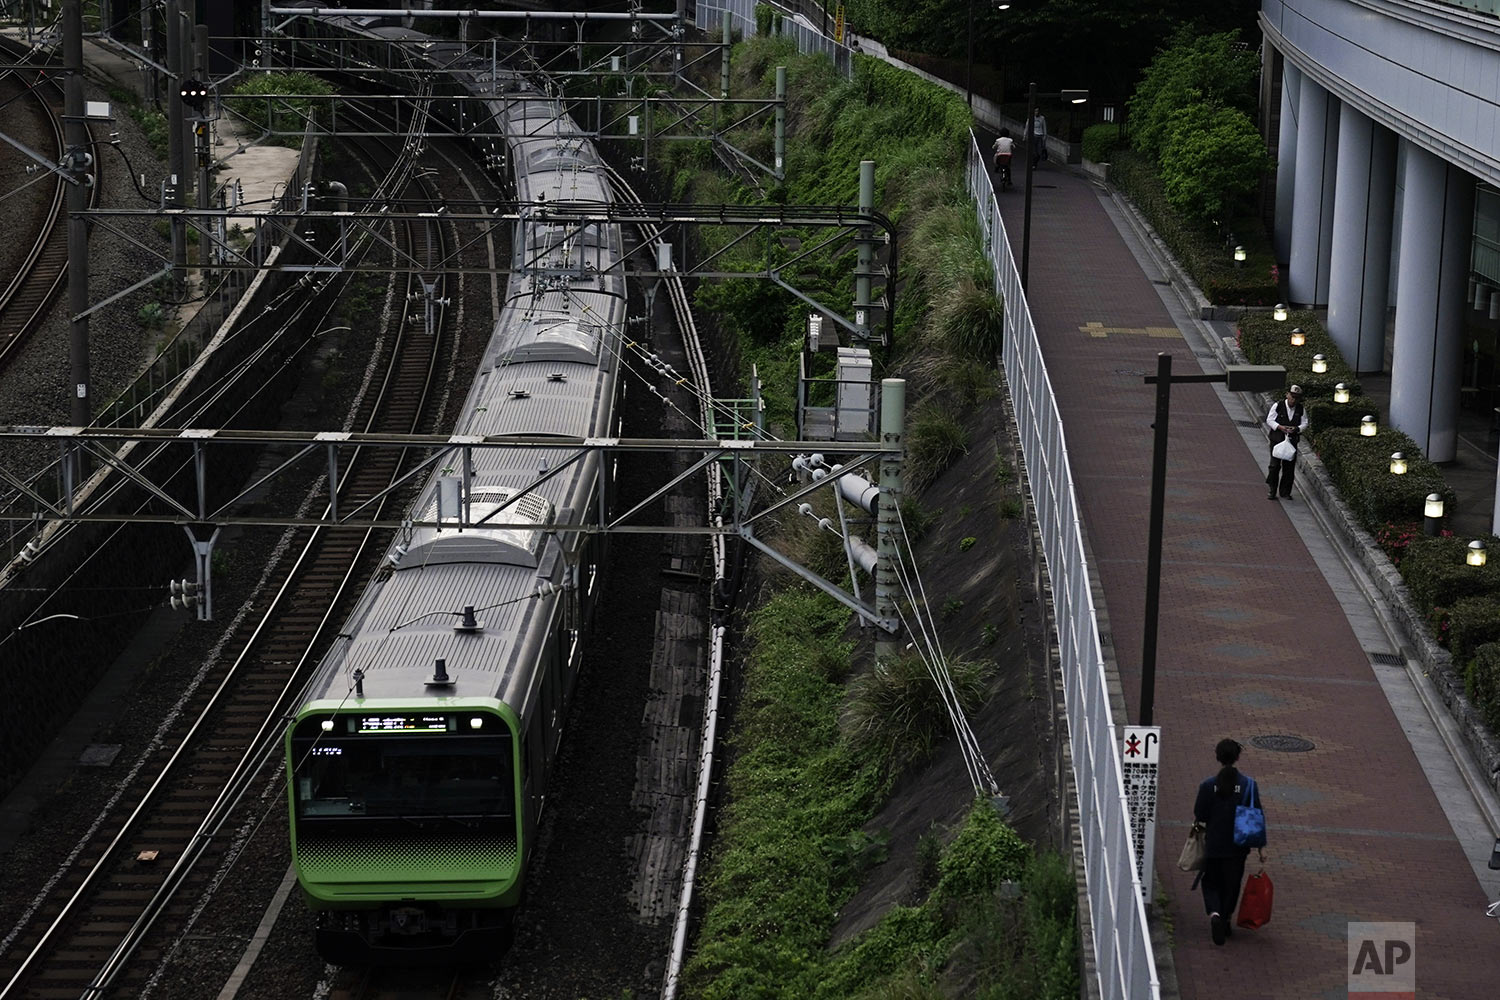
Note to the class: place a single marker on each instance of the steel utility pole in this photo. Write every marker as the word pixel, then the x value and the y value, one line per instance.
pixel 176 158
pixel 202 152
pixel 80 171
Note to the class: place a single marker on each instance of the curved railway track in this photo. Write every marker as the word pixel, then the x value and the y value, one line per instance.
pixel 103 915
pixel 149 858
pixel 34 108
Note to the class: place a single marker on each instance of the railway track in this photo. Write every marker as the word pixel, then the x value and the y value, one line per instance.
pixel 34 108
pixel 139 873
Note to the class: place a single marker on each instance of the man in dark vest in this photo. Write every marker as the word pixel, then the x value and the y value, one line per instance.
pixel 1286 421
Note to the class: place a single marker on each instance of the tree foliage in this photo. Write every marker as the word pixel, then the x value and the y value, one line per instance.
pixel 1212 161
pixel 1097 44
pixel 1217 70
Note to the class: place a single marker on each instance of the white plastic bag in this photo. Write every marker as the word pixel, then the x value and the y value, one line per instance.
pixel 1284 450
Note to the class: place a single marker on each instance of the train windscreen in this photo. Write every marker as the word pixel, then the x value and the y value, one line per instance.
pixel 426 778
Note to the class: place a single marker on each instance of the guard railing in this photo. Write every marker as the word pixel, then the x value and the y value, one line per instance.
pixel 1124 963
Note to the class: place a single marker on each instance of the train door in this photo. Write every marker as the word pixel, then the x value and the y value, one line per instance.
pixel 536 769
pixel 554 704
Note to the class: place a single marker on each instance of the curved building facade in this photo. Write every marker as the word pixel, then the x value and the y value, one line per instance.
pixel 1388 192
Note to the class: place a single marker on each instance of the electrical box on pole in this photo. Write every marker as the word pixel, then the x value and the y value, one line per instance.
pixel 1255 378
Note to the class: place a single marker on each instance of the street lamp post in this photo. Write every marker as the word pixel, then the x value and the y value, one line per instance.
pixel 969 70
pixel 969 67
pixel 1237 378
pixel 1072 97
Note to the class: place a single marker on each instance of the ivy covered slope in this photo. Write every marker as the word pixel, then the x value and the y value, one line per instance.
pixel 992 918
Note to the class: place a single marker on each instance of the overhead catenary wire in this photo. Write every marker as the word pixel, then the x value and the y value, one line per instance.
pixel 937 664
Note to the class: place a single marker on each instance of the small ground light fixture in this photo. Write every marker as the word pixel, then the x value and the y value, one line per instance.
pixel 1476 555
pixel 1298 337
pixel 1368 426
pixel 1432 514
pixel 1341 393
pixel 1279 312
pixel 1398 464
pixel 1239 256
pixel 1320 364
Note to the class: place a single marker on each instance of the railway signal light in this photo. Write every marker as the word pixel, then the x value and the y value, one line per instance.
pixel 194 93
pixel 184 594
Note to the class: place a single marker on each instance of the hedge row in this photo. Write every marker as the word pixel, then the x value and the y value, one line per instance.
pixel 1205 255
pixel 1462 602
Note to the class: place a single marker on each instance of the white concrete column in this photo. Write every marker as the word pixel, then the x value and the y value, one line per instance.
pixel 1437 220
pixel 1286 159
pixel 1363 203
pixel 1316 175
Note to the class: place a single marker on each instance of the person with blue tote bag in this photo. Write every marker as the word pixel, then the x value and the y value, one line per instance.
pixel 1229 807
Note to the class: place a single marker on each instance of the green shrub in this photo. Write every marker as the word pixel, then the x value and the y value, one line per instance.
pixel 1265 341
pixel 929 853
pixel 1051 896
pixel 985 853
pixel 1395 538
pixel 252 102
pixel 1212 162
pixel 1203 253
pixel 1209 69
pixel 1472 622
pixel 1360 468
pixel 767 19
pixel 1099 142
pixel 971 322
pixel 1482 682
pixel 1438 576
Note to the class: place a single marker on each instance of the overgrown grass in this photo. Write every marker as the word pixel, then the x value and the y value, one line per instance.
pixel 896 713
pixel 793 845
pixel 915 133
pixel 792 851
pixel 935 440
pixel 796 790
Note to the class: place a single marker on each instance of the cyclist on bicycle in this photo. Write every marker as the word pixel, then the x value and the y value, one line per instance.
pixel 1005 146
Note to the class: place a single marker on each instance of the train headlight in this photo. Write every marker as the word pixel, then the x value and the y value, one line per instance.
pixel 327 725
pixel 477 722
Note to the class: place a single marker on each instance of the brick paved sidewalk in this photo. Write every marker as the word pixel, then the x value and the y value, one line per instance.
pixel 1252 642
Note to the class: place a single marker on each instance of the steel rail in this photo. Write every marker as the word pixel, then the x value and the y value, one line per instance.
pixel 241 777
pixel 31 278
pixel 266 740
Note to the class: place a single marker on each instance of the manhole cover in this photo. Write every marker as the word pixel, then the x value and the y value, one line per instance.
pixel 1283 744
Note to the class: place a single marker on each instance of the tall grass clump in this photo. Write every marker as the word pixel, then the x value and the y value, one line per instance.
pixel 934 441
pixel 897 713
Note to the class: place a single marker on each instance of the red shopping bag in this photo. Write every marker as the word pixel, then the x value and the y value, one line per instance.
pixel 1255 902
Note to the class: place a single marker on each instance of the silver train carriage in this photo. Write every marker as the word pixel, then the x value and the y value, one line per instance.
pixel 419 757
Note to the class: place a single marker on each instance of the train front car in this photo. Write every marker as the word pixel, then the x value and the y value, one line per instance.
pixel 420 757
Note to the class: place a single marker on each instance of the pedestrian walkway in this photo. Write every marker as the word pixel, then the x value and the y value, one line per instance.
pixel 1264 632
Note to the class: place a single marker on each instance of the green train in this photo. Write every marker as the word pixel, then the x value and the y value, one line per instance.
pixel 419 757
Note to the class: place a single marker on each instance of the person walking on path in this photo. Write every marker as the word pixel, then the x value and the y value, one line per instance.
pixel 1224 866
pixel 1037 137
pixel 1287 421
